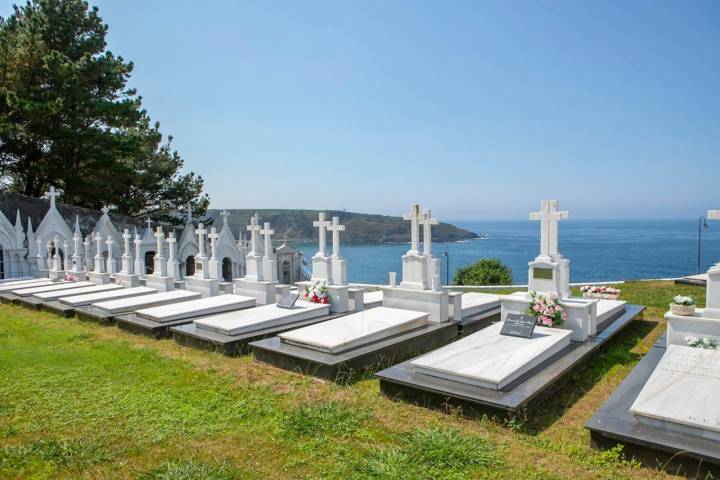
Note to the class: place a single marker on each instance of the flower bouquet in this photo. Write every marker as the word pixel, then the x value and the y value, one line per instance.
pixel 683 306
pixel 317 293
pixel 600 291
pixel 547 310
pixel 702 342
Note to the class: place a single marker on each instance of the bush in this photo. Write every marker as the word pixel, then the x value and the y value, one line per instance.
pixel 489 271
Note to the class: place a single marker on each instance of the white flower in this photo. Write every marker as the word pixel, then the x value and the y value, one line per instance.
pixel 681 300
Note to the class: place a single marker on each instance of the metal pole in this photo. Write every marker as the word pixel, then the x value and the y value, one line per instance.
pixel 701 222
pixel 447 265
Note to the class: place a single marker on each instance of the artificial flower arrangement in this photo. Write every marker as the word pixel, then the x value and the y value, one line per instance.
pixel 70 278
pixel 547 310
pixel 681 305
pixel 600 291
pixel 702 342
pixel 317 293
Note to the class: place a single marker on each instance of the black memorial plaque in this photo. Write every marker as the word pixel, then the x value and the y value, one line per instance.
pixel 518 325
pixel 288 300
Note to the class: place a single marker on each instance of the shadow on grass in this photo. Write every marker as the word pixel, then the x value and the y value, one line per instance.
pixel 617 352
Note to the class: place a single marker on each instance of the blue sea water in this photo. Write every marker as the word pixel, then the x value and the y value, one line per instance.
pixel 598 250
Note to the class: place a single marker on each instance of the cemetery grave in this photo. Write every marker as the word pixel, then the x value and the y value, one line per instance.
pixel 67 305
pixel 106 311
pixel 495 370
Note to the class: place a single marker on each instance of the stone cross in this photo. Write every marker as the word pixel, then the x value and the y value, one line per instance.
pixel 414 217
pixel 321 224
pixel 225 214
pixel 105 210
pixel 200 232
pixel 126 236
pixel 213 236
pixel 336 228
pixel 109 242
pixel 267 234
pixel 171 246
pixel 549 216
pixel 138 243
pixel 254 228
pixel 52 194
pixel 67 257
pixel 99 264
pixel 86 252
pixel 149 223
pixel 159 236
pixel 428 222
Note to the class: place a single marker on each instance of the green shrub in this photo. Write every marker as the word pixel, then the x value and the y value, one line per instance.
pixel 489 271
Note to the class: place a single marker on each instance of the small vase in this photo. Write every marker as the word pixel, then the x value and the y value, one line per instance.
pixel 682 310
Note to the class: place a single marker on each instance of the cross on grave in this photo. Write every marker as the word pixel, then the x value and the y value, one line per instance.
pixel 52 194
pixel 225 214
pixel 254 228
pixel 126 237
pixel 171 246
pixel 549 216
pixel 159 237
pixel 105 210
pixel 213 236
pixel 109 242
pixel 267 234
pixel 138 243
pixel 149 222
pixel 428 222
pixel 200 232
pixel 336 228
pixel 321 224
pixel 189 213
pixel 414 217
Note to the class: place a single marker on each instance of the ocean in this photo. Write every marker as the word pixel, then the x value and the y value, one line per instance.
pixel 598 250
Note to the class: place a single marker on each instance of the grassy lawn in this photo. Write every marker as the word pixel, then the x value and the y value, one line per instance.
pixel 84 401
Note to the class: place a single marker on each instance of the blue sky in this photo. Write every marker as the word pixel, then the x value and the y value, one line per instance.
pixel 475 109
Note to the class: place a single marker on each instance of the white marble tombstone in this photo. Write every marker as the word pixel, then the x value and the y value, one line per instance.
pixel 57 272
pixel 214 265
pixel 76 268
pixel 260 280
pixel 433 263
pixel 173 266
pixel 139 263
pixel 550 271
pixel 111 261
pixel 201 282
pixel 98 274
pixel 321 262
pixel 88 257
pixel 414 274
pixel 127 277
pixel 160 280
pixel 415 291
pixel 67 260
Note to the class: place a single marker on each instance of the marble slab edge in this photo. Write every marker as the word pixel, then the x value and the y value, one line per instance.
pixel 354 364
pixel 58 308
pixel 525 393
pixel 87 315
pixel 233 345
pixel 613 424
pixel 9 298
pixel 135 324
pixel 31 303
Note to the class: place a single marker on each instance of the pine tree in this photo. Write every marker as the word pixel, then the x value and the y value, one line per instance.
pixel 68 118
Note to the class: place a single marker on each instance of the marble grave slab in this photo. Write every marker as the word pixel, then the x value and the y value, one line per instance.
pixel 195 308
pixel 26 292
pixel 490 360
pixel 259 318
pixel 90 298
pixel 682 393
pixel 361 328
pixel 125 305
pixel 54 295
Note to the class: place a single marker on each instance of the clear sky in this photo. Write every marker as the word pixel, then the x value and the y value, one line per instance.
pixel 475 109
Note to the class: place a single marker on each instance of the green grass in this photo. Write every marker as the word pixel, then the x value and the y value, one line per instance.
pixel 79 400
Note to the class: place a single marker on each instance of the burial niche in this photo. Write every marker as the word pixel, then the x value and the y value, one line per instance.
pixel 227 269
pixel 190 266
